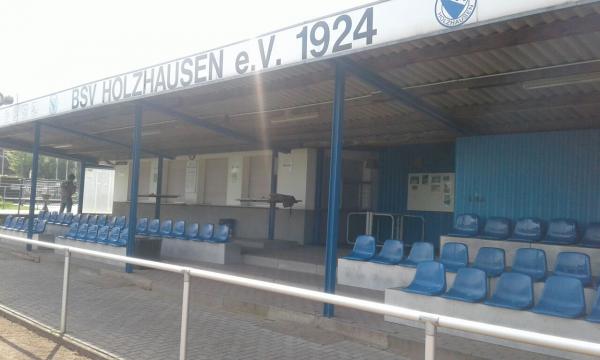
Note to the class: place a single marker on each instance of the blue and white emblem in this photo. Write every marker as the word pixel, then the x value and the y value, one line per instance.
pixel 453 13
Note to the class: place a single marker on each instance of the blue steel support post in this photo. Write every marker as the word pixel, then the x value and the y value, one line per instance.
pixel 81 187
pixel 135 174
pixel 272 206
pixel 335 182
pixel 34 177
pixel 159 176
pixel 318 197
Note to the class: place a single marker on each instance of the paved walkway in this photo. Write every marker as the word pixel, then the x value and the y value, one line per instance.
pixel 140 324
pixel 19 343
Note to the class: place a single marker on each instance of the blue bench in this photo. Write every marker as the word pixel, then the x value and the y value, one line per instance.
pixel 563 297
pixel 490 260
pixel 561 232
pixel 364 249
pixel 575 265
pixel 166 227
pixel 454 256
pixel 496 228
pixel 221 235
pixel 191 231
pixel 513 291
pixel 205 233
pixel 391 253
pixel 420 252
pixel 470 285
pixel 531 262
pixel 466 225
pixel 430 279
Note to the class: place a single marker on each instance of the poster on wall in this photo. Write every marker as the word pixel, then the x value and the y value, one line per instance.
pixel 431 192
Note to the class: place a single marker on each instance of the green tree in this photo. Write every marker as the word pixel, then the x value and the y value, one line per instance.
pixel 20 164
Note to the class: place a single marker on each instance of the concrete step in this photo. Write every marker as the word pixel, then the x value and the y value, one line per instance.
pixel 283 264
pixel 263 243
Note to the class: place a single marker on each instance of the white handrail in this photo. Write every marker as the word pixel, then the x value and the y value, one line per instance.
pixel 432 321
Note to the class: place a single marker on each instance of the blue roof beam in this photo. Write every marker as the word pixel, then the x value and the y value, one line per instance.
pixel 25 147
pixel 403 96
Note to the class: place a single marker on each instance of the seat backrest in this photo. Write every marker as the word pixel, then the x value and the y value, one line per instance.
pixel 82 231
pixel 573 264
pixel 471 281
pixel 101 220
pixel 192 230
pixel 154 226
pixel 60 218
pixel 222 233
pixel 166 227
pixel 113 236
pixel 562 230
pixel 92 219
pixel 421 251
pixel 364 246
pixel 497 227
pixel 455 253
pixel 563 292
pixel 206 232
pixel 7 220
pixel 46 215
pixel 40 226
pixel 142 225
pixel 430 274
pixel 392 250
pixel 92 232
pixel 72 230
pixel 111 221
pixel 124 236
pixel 529 261
pixel 103 233
pixel 76 218
pixel 14 222
pixel 24 224
pixel 121 221
pixel 515 288
pixel 179 228
pixel 83 218
pixel 592 234
pixel 467 224
pixel 53 216
pixel 490 258
pixel 19 223
pixel 68 218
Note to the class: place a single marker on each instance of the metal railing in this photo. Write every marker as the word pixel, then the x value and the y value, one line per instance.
pixel 431 321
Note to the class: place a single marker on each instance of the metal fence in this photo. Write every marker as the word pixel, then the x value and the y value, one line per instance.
pixel 430 320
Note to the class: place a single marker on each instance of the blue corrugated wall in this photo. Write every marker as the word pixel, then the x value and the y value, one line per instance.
pixel 394 166
pixel 548 175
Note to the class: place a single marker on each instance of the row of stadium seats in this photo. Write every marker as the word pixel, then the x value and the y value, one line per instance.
pixel 20 223
pixel 114 236
pixel 179 230
pixel 455 256
pixel 557 231
pixel 562 296
pixel 91 219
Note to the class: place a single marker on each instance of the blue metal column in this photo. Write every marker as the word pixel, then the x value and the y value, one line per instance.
pixel 81 187
pixel 34 177
pixel 159 179
pixel 135 175
pixel 335 182
pixel 273 206
pixel 318 197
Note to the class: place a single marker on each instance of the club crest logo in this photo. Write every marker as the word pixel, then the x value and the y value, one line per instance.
pixel 453 13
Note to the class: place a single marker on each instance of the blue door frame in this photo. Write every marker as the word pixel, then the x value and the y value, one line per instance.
pixel 159 178
pixel 135 174
pixel 272 206
pixel 81 187
pixel 34 177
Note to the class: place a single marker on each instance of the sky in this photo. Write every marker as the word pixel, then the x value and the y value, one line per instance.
pixel 49 46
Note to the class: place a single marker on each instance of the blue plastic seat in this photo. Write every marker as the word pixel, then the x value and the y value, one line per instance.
pixel 76 219
pixel 60 218
pixel 111 221
pixel 531 262
pixel 72 233
pixel 513 291
pixel 221 235
pixel 591 237
pixel 67 219
pixel 92 219
pixel 83 218
pixel 454 256
pixel 123 237
pixel 470 285
pixel 430 279
pixel 24 226
pixel 52 217
pixel 102 237
pixel 82 232
pixel 364 249
pixel 575 265
pixel 46 216
pixel 562 296
pixel 466 225
pixel 191 231
pixel 41 214
pixel 40 226
pixel 113 235
pixel 19 223
pixel 101 221
pixel 142 226
pixel 166 227
pixel 153 227
pixel 14 223
pixel 391 253
pixel 496 228
pixel 7 221
pixel 205 233
pixel 92 233
pixel 178 230
pixel 561 232
pixel 594 316
pixel 490 260
pixel 420 252
pixel 120 222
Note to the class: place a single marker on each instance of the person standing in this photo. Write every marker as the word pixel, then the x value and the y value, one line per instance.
pixel 67 189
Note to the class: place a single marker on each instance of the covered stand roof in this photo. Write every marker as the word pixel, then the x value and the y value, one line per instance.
pixel 539 72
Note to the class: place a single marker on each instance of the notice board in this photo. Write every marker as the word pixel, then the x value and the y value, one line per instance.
pixel 430 192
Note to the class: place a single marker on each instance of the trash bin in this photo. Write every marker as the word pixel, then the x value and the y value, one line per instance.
pixel 230 223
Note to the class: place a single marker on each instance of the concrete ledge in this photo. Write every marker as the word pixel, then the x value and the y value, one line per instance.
pixel 92 246
pixel 373 276
pixel 227 253
pixel 510 247
pixel 56 230
pixel 525 320
pixel 283 264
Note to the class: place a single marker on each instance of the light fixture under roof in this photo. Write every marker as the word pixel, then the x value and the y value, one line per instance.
pixel 562 81
pixel 63 146
pixel 289 119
